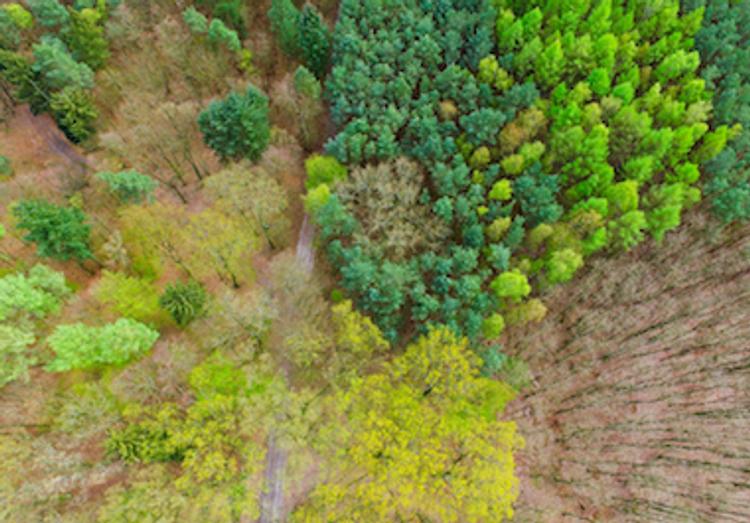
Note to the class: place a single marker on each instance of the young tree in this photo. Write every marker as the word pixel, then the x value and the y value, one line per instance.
pixel 237 127
pixel 38 294
pixel 130 186
pixel 220 34
pixel 284 18
pixel 49 13
pixel 75 113
pixel 195 20
pixel 58 232
pixel 184 301
pixel 306 84
pixel 10 35
pixel 85 38
pixel 15 358
pixel 314 41
pixel 79 346
pixel 57 68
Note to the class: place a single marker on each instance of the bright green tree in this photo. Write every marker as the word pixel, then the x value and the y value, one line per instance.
pixel 562 265
pixel 130 297
pixel 79 346
pixel 512 285
pixel 323 169
pixel 38 294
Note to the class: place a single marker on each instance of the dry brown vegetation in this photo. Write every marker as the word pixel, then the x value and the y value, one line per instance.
pixel 639 406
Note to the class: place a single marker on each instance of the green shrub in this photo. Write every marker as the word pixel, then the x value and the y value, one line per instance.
pixel 15 358
pixel 323 169
pixel 184 301
pixel 6 169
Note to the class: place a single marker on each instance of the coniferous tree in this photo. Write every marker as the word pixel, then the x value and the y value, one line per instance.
pixel 314 41
pixel 58 232
pixel 284 18
pixel 237 126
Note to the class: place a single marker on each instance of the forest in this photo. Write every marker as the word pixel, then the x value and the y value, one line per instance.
pixel 429 261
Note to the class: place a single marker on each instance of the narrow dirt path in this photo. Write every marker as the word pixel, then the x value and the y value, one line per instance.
pixel 56 141
pixel 272 499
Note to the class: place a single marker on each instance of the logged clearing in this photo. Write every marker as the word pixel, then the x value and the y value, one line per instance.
pixel 639 407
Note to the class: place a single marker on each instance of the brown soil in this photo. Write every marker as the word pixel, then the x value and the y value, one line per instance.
pixel 639 410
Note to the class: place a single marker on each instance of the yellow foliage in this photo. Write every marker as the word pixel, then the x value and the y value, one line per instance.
pixel 201 244
pixel 356 333
pixel 421 442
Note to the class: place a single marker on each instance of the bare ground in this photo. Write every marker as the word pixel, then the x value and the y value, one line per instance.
pixel 641 403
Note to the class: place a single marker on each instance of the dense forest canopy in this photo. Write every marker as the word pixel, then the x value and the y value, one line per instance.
pixel 373 260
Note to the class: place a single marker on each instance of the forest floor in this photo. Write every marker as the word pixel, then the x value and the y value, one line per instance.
pixel 639 407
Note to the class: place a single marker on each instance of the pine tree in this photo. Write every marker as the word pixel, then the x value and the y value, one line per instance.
pixel 314 41
pixel 284 18
pixel 58 232
pixel 237 126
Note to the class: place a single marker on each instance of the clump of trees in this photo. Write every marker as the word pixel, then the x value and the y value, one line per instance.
pixel 725 67
pixel 421 439
pixel 302 34
pixel 55 74
pixel 546 137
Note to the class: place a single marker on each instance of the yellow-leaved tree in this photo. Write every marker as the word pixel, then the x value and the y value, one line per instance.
pixel 420 441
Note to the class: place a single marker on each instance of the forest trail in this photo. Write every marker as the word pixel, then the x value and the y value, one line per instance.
pixel 272 498
pixel 639 410
pixel 56 141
